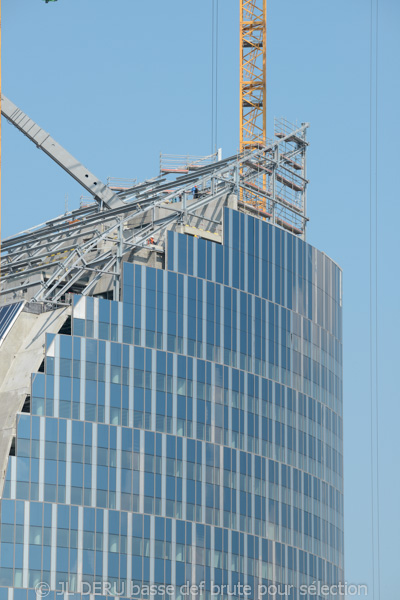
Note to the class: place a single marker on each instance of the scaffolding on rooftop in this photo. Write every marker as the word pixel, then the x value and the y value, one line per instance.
pixel 279 191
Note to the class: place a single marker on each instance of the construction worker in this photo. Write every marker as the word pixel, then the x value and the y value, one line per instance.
pixel 195 192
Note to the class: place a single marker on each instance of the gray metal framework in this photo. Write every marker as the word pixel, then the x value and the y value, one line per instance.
pixel 74 251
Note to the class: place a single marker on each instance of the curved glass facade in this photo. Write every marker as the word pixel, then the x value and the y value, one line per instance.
pixel 190 434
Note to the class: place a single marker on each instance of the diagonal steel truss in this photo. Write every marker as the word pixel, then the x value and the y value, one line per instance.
pixel 62 157
pixel 81 247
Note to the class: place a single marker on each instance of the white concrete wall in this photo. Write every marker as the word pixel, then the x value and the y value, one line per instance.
pixel 21 354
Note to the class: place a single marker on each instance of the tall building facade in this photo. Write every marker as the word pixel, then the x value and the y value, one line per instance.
pixel 188 434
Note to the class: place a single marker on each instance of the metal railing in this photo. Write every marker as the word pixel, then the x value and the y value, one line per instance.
pixel 183 163
pixel 119 184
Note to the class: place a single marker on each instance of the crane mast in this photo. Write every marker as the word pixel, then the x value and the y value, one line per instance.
pixel 253 73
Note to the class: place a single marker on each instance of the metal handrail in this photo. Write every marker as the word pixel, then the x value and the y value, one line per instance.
pixel 185 162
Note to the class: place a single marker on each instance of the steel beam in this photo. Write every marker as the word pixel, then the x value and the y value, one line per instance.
pixel 92 184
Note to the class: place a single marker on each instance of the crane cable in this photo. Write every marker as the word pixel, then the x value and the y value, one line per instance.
pixel 373 310
pixel 214 74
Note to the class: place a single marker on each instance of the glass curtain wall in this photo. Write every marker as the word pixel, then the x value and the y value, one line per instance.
pixel 188 435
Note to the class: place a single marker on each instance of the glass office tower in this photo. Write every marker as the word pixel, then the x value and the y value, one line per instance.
pixel 190 434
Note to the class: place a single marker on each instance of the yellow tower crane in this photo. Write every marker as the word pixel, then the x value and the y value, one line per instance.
pixel 253 73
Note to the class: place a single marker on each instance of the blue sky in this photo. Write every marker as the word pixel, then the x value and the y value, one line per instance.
pixel 118 82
